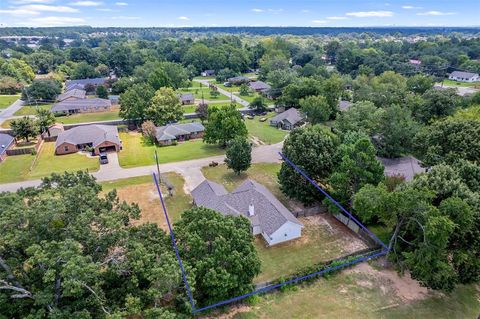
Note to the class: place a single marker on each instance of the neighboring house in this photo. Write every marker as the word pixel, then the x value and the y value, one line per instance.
pixel 344 105
pixel 238 80
pixel 287 120
pixel 187 98
pixel 259 86
pixel 75 84
pixel 267 215
pixel 100 137
pixel 74 94
pixel 208 73
pixel 407 167
pixel 54 130
pixel 6 142
pixel 73 106
pixel 464 76
pixel 168 134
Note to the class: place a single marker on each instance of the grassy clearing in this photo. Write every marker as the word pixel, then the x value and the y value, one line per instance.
pixel 7 100
pixel 138 153
pixel 359 295
pixel 456 83
pixel 32 109
pixel 17 168
pixel 191 108
pixel 198 88
pixel 263 131
pixel 141 190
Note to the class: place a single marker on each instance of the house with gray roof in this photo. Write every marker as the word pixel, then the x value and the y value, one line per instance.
pixel 406 167
pixel 208 73
pixel 288 119
pixel 171 133
pixel 267 215
pixel 187 98
pixel 238 80
pixel 73 106
pixel 101 138
pixel 259 86
pixel 74 94
pixel 94 82
pixel 6 142
pixel 464 76
pixel 75 86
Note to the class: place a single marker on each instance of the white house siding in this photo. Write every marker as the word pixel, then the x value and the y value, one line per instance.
pixel 460 79
pixel 287 232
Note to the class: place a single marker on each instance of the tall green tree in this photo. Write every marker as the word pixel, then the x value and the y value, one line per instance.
pixel 24 128
pixel 45 118
pixel 316 109
pixel 437 104
pixel 220 251
pixel 164 107
pixel 224 124
pixel 239 155
pixel 420 83
pixel 135 102
pixel 101 92
pixel 83 70
pixel 43 90
pixel 312 149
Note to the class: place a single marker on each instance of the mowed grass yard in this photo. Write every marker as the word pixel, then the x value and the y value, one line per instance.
pixel 263 131
pixel 363 293
pixel 198 88
pixel 191 108
pixel 142 190
pixel 32 109
pixel 7 100
pixel 19 168
pixel 457 83
pixel 136 152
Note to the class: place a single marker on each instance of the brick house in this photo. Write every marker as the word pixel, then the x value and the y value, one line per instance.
pixel 101 138
pixel 168 134
pixel 73 106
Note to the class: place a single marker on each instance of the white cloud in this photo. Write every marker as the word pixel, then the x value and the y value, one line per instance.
pixel 436 13
pixel 121 4
pixel 319 21
pixel 258 10
pixel 19 12
pixel 337 18
pixel 105 9
pixel 86 3
pixel 305 11
pixel 183 18
pixel 47 8
pixel 125 18
pixel 369 14
pixel 408 7
pixel 55 21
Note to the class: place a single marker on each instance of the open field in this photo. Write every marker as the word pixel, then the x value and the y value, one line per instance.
pixel 362 292
pixel 17 168
pixel 7 100
pixel 138 153
pixel 142 190
pixel 263 131
pixel 456 83
pixel 32 109
pixel 323 238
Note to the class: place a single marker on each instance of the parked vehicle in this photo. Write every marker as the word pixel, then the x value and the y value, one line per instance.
pixel 213 164
pixel 263 119
pixel 103 158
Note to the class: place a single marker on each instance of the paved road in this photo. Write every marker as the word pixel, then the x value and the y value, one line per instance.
pixel 9 111
pixel 226 93
pixel 190 170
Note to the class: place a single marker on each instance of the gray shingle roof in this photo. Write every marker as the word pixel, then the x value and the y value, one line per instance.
pixel 81 104
pixel 93 81
pixel 95 134
pixel 5 141
pixel 187 97
pixel 172 131
pixel 465 75
pixel 74 86
pixel 259 85
pixel 344 105
pixel 270 213
pixel 407 166
pixel 238 79
pixel 75 93
pixel 292 115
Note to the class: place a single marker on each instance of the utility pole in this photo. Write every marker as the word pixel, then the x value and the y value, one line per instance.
pixel 158 168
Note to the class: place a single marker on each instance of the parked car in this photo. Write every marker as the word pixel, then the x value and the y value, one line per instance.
pixel 263 119
pixel 227 84
pixel 103 158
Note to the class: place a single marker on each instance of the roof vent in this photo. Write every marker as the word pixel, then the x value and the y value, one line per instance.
pixel 251 209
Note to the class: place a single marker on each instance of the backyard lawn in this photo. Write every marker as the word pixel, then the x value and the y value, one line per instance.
pixel 197 89
pixel 191 108
pixel 17 168
pixel 263 131
pixel 7 100
pixel 456 83
pixel 32 109
pixel 142 190
pixel 138 153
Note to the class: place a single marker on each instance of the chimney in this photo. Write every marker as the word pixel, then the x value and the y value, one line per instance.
pixel 251 209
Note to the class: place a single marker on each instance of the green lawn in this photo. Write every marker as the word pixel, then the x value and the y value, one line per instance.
pixel 137 153
pixel 32 109
pixel 263 131
pixel 141 190
pixel 197 89
pixel 17 168
pixel 361 295
pixel 191 108
pixel 7 100
pixel 456 83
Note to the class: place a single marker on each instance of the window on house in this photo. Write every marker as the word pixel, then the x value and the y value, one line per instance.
pixel 66 148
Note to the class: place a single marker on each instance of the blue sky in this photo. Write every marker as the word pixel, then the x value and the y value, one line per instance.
pixel 178 13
